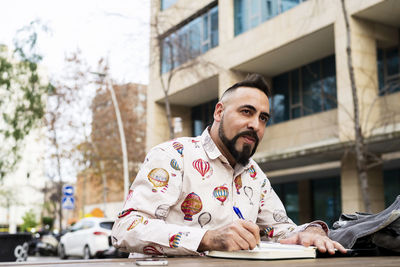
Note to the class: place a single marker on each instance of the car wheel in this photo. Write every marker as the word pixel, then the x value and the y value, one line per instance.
pixel 86 253
pixel 61 252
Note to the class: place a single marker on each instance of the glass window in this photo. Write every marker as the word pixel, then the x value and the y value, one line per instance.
pixel 250 13
pixel 311 88
pixel 392 59
pixel 388 63
pixel 196 37
pixel 289 195
pixel 288 4
pixel 202 116
pixel 107 225
pixel 77 226
pixel 326 199
pixel 280 99
pixel 167 3
pixel 391 186
pixel 329 83
pixel 381 76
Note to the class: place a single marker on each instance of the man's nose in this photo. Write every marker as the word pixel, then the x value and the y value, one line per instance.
pixel 254 124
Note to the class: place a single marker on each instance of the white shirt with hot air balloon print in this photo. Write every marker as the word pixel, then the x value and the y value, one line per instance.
pixel 185 187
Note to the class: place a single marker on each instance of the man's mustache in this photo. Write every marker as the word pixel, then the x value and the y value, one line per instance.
pixel 248 133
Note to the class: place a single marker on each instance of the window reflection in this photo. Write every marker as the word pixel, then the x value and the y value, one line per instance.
pixel 304 91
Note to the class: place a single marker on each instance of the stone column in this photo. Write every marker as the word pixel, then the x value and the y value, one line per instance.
pixel 226 21
pixel 305 203
pixel 351 192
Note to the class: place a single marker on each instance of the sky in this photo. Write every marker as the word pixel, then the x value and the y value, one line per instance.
pixel 113 29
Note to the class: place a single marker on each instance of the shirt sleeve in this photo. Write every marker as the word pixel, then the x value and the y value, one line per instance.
pixel 141 226
pixel 273 219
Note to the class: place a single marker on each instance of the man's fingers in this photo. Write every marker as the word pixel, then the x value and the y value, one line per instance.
pixel 339 247
pixel 245 230
pixel 253 229
pixel 321 245
pixel 329 246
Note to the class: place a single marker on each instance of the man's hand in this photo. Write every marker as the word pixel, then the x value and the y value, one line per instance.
pixel 314 236
pixel 239 235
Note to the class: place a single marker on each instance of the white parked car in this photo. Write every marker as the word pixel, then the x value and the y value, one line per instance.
pixel 88 238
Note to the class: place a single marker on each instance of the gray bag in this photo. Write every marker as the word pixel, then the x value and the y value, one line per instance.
pixel 369 231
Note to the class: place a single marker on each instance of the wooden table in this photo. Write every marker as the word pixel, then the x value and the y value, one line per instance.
pixel 214 262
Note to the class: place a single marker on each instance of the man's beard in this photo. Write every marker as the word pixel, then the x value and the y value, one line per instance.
pixel 241 157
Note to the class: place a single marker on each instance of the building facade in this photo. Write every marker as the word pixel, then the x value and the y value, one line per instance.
pixel 200 48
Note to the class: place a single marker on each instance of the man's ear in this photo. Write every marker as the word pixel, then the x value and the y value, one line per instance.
pixel 218 112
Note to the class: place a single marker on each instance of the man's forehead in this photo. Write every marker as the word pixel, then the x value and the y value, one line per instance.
pixel 246 96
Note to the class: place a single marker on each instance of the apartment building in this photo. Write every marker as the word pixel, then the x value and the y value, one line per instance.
pixel 200 48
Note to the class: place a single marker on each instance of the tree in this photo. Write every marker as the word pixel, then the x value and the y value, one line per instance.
pixel 67 109
pixel 22 94
pixel 29 221
pixel 359 137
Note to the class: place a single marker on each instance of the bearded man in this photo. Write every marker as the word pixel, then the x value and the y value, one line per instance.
pixel 186 196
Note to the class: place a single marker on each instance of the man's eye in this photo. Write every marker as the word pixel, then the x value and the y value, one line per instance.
pixel 246 111
pixel 264 119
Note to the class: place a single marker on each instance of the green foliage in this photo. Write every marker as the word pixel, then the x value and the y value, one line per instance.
pixel 29 221
pixel 22 94
pixel 48 221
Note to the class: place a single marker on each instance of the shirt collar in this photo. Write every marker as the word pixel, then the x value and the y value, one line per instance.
pixel 209 146
pixel 213 152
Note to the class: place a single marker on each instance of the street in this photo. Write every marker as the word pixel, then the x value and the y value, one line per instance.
pixel 48 258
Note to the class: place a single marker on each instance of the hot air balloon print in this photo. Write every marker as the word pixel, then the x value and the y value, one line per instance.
pixel 191 206
pixel 129 196
pixel 174 240
pixel 252 172
pixel 221 193
pixel 136 221
pixel 238 183
pixel 178 147
pixel 174 164
pixel 159 178
pixel 151 250
pixel 162 211
pixel 248 191
pixel 203 167
pixel 264 182
pixel 204 219
pixel 196 143
pixel 269 231
pixel 262 199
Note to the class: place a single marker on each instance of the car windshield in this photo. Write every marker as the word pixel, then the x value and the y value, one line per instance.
pixel 107 225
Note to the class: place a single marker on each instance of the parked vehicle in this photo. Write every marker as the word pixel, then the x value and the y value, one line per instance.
pixel 47 246
pixel 88 238
pixel 43 243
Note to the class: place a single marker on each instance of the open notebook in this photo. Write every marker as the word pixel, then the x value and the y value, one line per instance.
pixel 269 251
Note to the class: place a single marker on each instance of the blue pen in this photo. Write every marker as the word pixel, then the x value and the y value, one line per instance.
pixel 238 213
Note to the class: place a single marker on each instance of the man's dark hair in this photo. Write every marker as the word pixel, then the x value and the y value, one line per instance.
pixel 252 80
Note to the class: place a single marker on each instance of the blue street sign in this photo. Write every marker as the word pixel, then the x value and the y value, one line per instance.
pixel 68 203
pixel 68 190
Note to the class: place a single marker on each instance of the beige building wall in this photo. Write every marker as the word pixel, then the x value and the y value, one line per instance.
pixel 308 32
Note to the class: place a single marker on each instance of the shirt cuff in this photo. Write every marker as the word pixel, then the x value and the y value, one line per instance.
pixel 192 243
pixel 318 223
